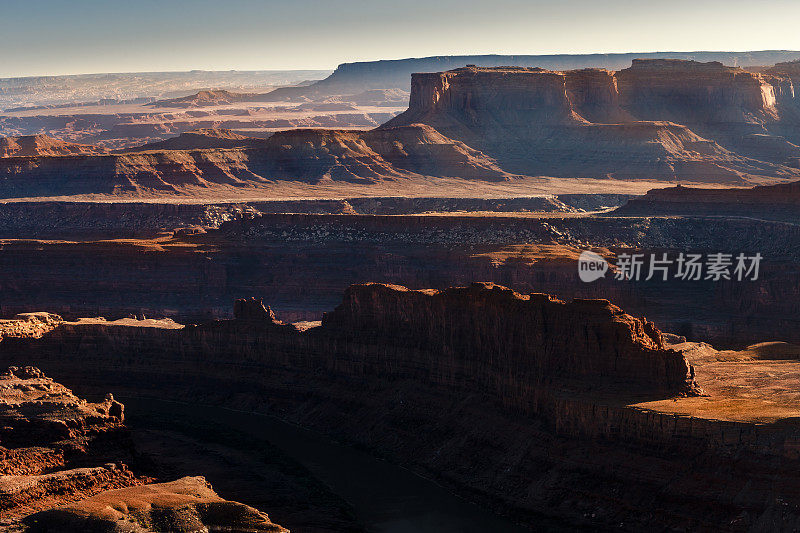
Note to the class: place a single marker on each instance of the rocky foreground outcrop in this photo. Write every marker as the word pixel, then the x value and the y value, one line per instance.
pixel 47 441
pixel 188 504
pixel 51 442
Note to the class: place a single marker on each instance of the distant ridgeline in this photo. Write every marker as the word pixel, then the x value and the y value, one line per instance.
pixel 396 73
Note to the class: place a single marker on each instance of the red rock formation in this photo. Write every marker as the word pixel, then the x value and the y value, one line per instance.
pixel 202 139
pixel 42 145
pixel 772 202
pixel 533 121
pixel 533 338
pixel 188 504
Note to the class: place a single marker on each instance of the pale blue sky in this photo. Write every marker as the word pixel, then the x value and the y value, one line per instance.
pixel 79 36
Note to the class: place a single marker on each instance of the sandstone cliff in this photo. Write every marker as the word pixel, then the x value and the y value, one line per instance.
pixel 517 337
pixel 534 121
pixel 689 92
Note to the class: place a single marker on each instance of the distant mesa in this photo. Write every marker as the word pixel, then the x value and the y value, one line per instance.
pixel 203 138
pixel 352 77
pixel 205 99
pixel 42 145
pixel 774 202
pixel 659 119
pixel 536 122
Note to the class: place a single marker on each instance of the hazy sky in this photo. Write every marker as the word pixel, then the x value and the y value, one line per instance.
pixel 79 36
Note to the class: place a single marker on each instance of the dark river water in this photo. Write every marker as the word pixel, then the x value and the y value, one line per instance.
pixel 385 498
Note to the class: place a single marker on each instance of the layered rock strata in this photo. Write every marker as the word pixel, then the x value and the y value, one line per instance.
pixel 633 123
pixel 50 444
pixel 522 402
pixel 304 262
pixel 42 145
pixel 659 119
pixel 775 202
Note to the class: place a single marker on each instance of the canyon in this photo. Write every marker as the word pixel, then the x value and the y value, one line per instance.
pixel 547 378
pixel 358 302
pixel 122 260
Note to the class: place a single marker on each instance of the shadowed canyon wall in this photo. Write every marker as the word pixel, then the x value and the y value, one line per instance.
pixel 408 373
pixel 302 263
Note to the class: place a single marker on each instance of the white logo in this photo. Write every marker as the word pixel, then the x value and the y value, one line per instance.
pixel 591 266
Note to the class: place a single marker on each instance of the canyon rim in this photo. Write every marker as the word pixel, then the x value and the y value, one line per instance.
pixel 272 267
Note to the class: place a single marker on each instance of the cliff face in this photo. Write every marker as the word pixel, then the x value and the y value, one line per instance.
pixel 629 124
pixel 50 442
pixel 521 336
pixel 594 95
pixel 773 202
pixel 508 95
pixel 688 92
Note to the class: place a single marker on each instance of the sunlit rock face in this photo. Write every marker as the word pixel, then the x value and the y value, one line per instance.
pixel 691 92
pixel 659 118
